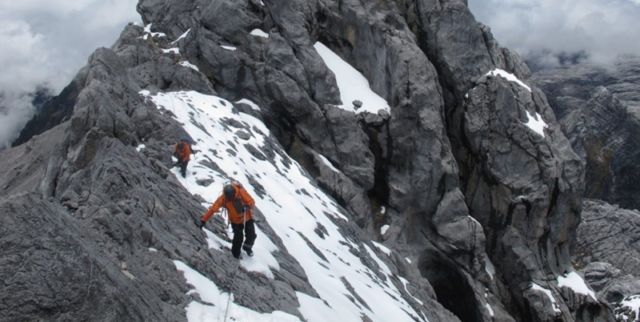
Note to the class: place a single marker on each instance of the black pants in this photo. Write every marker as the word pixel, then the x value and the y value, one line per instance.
pixel 238 234
pixel 183 167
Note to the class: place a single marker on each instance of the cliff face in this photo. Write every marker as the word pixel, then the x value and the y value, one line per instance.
pixel 453 161
pixel 598 109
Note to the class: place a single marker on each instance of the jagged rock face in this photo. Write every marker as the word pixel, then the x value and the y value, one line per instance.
pixel 597 108
pixel 607 247
pixel 609 234
pixel 525 189
pixel 55 268
pixel 452 168
pixel 610 283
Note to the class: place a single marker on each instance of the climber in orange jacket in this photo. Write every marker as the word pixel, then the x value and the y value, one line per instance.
pixel 182 152
pixel 239 206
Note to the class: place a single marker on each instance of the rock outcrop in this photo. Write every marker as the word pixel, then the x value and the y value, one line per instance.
pixel 597 108
pixel 609 234
pixel 608 250
pixel 467 177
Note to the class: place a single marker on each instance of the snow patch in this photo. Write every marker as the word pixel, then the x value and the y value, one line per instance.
pixel 174 50
pixel 508 76
pixel 148 33
pixel 184 35
pixel 214 306
pixel 228 47
pixel 259 33
pixel 140 147
pixel 576 283
pixel 489 268
pixel 251 104
pixel 328 163
pixel 384 228
pixel 489 309
pixel 153 250
pixel 474 220
pixel 633 304
pixel 383 267
pixel 536 123
pixel 539 288
pixel 351 83
pixel 189 65
pixel 382 248
pixel 408 260
pixel 404 283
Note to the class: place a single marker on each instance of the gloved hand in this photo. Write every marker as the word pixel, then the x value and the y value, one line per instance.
pixel 201 224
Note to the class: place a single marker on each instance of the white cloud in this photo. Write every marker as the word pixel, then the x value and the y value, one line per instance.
pixel 602 28
pixel 24 56
pixel 45 42
pixel 58 7
pixel 15 111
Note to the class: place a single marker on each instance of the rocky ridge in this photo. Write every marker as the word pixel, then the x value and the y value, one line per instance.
pixel 484 203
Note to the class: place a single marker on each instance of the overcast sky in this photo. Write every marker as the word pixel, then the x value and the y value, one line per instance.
pixel 45 42
pixel 602 28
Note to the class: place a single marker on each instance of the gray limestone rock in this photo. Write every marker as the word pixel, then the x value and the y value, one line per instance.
pixel 600 119
pixel 609 282
pixel 460 181
pixel 55 267
pixel 609 234
pixel 608 250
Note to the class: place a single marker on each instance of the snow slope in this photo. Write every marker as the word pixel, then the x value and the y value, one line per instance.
pixel 351 83
pixel 575 282
pixel 234 144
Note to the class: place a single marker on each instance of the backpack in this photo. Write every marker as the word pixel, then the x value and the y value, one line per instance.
pixel 238 205
pixel 180 150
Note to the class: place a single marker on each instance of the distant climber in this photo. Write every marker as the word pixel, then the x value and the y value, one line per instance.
pixel 239 205
pixel 182 152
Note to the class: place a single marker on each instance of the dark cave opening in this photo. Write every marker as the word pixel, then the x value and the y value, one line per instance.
pixel 451 287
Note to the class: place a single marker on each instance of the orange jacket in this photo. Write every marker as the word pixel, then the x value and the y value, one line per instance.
pixel 236 217
pixel 182 151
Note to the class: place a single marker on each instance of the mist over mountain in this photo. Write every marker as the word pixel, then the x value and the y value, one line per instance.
pixel 548 31
pixel 44 44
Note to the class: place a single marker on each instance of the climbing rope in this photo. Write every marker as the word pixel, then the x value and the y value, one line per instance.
pixel 233 278
pixel 226 311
